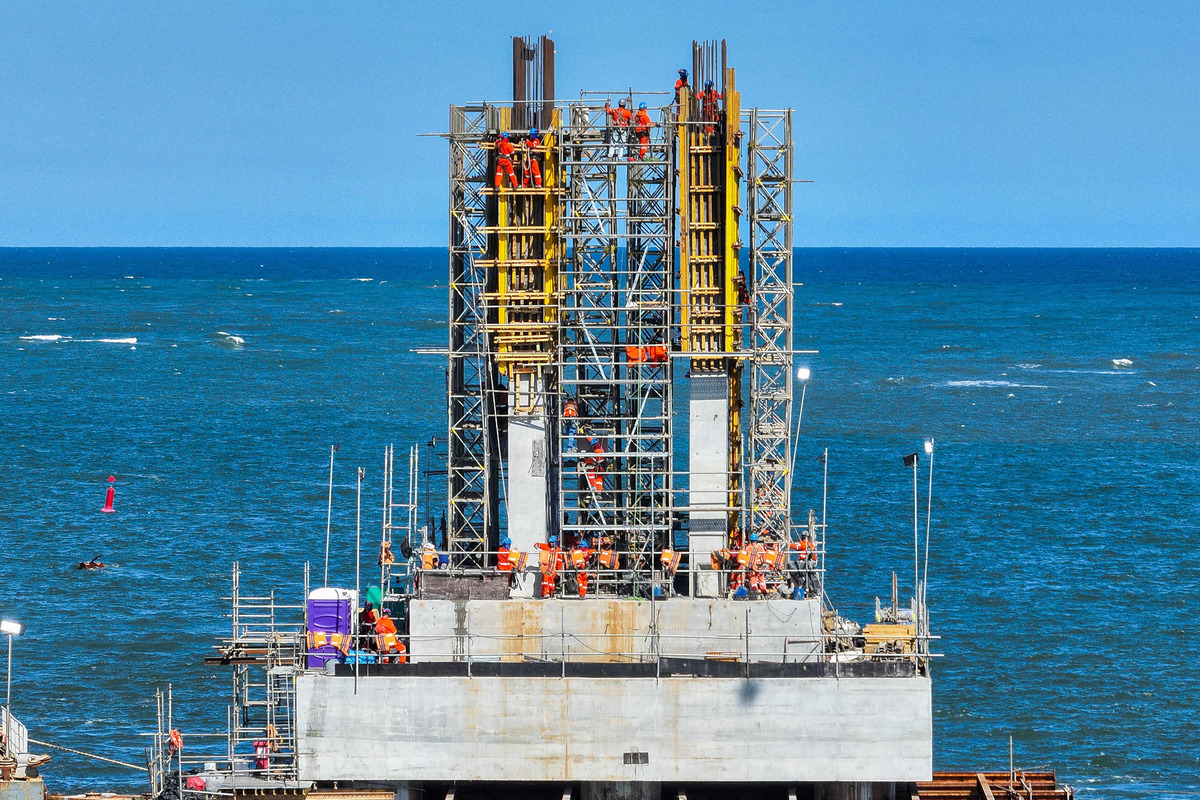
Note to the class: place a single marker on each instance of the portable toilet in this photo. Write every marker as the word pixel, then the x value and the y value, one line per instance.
pixel 330 611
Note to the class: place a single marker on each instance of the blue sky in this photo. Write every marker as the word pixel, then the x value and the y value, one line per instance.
pixel 921 124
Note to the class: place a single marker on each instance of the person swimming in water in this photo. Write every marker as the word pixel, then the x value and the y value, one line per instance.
pixel 95 563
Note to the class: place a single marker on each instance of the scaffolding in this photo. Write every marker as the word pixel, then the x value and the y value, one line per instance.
pixel 573 302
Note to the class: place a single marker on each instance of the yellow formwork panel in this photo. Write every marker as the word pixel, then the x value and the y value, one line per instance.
pixel 526 281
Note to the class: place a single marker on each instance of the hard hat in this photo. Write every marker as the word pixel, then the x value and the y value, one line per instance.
pixel 504 135
pixel 593 440
pixel 708 84
pixel 533 133
pixel 754 537
pixel 642 107
pixel 553 540
pixel 683 72
pixel 622 102
pixel 505 542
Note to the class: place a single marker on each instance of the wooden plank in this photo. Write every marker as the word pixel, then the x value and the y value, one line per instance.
pixel 984 786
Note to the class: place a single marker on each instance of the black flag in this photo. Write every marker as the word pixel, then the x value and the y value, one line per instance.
pixel 911 460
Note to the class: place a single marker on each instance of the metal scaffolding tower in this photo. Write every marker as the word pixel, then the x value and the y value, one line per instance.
pixel 769 196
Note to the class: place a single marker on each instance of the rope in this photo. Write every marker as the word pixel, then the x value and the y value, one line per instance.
pixel 89 755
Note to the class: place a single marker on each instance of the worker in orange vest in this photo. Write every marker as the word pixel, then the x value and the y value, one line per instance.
pixel 504 164
pixel 570 412
pixel 581 556
pixel 618 128
pixel 680 83
pixel 755 555
pixel 502 562
pixel 387 641
pixel 594 465
pixel 641 126
pixel 531 159
pixel 710 106
pixel 550 563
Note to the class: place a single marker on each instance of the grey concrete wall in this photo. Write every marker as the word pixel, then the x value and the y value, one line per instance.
pixel 527 485
pixel 613 630
pixel 578 729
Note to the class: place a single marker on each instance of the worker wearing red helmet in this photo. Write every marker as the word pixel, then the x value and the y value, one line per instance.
pixel 532 145
pixel 504 164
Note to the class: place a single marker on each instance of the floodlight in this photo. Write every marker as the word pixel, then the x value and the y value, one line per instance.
pixel 803 374
pixel 11 628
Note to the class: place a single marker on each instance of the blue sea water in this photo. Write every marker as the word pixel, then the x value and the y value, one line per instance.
pixel 1061 387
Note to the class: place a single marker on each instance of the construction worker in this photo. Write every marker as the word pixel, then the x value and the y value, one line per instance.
pixel 502 562
pixel 504 164
pixel 531 159
pixel 755 554
pixel 618 128
pixel 641 127
pixel 366 617
pixel 581 556
pixel 680 83
pixel 550 563
pixel 386 556
pixel 429 556
pixel 570 412
pixel 594 465
pixel 709 101
pixel 387 641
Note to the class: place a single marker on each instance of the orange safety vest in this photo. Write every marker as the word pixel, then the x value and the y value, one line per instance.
pixel 670 561
pixel 642 122
pixel 385 554
pixel 504 148
pixel 429 558
pixel 653 354
pixel 570 409
pixel 609 558
pixel 806 549
pixel 339 641
pixel 390 644
pixel 549 560
pixel 620 116
pixel 502 559
pixel 579 557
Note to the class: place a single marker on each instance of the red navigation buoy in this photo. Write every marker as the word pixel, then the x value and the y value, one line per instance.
pixel 108 501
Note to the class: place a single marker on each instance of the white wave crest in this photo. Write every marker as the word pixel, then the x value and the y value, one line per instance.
pixel 45 337
pixel 126 340
pixel 994 385
pixel 1122 362
pixel 1029 366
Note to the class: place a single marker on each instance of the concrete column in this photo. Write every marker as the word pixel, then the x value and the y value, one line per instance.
pixel 708 448
pixel 528 467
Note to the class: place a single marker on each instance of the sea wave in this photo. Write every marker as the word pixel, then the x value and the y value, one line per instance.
pixel 1122 362
pixel 45 337
pixel 125 340
pixel 976 384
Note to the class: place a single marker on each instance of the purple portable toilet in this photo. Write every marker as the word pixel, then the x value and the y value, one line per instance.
pixel 330 611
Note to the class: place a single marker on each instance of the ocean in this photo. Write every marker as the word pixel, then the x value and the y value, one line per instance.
pixel 1059 386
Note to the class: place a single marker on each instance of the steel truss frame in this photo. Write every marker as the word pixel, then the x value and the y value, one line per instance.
pixel 617 285
pixel 769 197
pixel 472 462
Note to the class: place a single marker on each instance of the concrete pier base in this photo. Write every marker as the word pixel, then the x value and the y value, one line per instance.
pixel 624 790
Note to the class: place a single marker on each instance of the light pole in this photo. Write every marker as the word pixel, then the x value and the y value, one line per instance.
pixel 9 628
pixel 802 375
